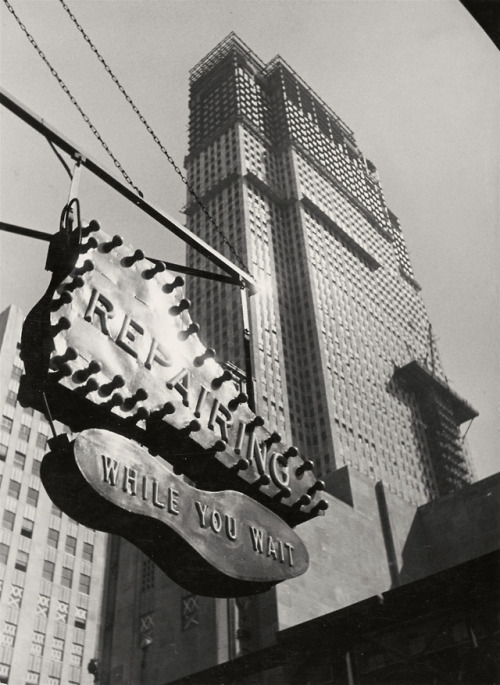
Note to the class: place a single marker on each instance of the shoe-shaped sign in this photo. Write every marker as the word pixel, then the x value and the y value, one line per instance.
pixel 212 543
pixel 111 346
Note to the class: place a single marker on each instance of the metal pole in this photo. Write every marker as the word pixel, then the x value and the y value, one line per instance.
pixel 247 348
pixel 238 275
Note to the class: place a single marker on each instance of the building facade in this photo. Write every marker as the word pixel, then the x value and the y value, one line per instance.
pixel 51 568
pixel 343 354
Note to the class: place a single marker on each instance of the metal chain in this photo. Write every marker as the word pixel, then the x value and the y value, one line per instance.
pixel 150 130
pixel 73 100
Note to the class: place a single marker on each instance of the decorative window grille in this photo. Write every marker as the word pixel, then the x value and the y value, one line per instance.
pixel 190 612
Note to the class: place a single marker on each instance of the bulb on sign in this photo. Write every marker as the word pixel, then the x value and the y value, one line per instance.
pixel 130 261
pixel 139 396
pixel 158 268
pixel 86 267
pixel 114 384
pixel 116 241
pixel 178 282
pixel 291 452
pixel 83 374
pixel 241 465
pixel 321 506
pixel 262 480
pixel 115 401
pixel 93 227
pixel 302 502
pixel 190 330
pixel 179 308
pixel 76 283
pixel 208 354
pixel 65 298
pixel 217 382
pixel 90 386
pixel 91 244
pixel 272 439
pixel 306 465
pixel 62 325
pixel 316 487
pixel 69 356
pixel 192 427
pixel 254 423
pixel 282 494
pixel 235 403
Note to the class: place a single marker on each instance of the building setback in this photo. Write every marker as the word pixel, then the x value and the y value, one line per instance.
pixel 51 568
pixel 343 357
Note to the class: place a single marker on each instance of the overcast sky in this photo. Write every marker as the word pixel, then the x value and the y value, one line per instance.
pixel 417 81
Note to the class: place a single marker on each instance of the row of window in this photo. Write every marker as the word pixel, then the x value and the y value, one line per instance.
pixel 48 570
pixel 52 536
pixel 24 434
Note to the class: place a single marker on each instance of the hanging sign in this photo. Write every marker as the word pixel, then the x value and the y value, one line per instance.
pixel 111 346
pixel 212 543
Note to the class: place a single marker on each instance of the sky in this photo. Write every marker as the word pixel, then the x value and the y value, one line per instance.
pixel 416 80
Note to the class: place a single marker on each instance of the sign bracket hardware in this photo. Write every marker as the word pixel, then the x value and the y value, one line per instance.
pixel 236 274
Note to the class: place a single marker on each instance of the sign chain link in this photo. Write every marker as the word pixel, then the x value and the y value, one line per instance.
pixel 72 98
pixel 150 130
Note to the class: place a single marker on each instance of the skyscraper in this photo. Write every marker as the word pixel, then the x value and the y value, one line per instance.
pixel 343 356
pixel 343 353
pixel 51 568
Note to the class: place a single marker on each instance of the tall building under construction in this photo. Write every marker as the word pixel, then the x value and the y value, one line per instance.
pixel 345 367
pixel 342 348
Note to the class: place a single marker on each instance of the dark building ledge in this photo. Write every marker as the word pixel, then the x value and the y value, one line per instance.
pixel 446 597
pixel 418 378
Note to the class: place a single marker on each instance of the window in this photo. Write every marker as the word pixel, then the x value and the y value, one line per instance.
pixel 3 451
pixel 55 511
pixel 80 618
pixel 19 460
pixel 66 577
pixel 71 545
pixel 32 497
pixel 53 538
pixel 37 643
pixel 35 467
pixel 27 528
pixel 14 489
pixel 17 371
pixel 4 553
pixel 7 424
pixel 48 570
pixel 8 519
pixel 57 650
pixel 41 441
pixel 11 397
pixel 9 634
pixel 22 560
pixel 88 551
pixel 24 432
pixel 84 585
pixel 76 654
